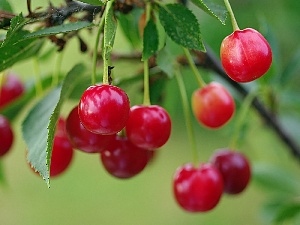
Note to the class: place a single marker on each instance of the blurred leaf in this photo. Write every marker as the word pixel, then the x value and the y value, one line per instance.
pixel 150 40
pixel 129 25
pixel 94 2
pixel 64 28
pixel 110 28
pixel 181 25
pixel 5 5
pixel 2 175
pixel 275 179
pixel 287 211
pixel 39 135
pixel 215 10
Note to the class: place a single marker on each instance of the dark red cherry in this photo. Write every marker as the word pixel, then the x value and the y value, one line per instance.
pixel 104 109
pixel 122 159
pixel 235 169
pixel 148 127
pixel 197 189
pixel 11 88
pixel 6 135
pixel 245 55
pixel 83 139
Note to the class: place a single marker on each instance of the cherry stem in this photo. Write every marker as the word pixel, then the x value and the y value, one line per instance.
pixel 194 68
pixel 95 53
pixel 37 72
pixel 146 100
pixel 231 14
pixel 241 118
pixel 187 115
pixel 55 78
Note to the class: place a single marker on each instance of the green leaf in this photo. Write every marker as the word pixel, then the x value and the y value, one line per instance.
pixel 274 178
pixel 64 28
pixel 287 211
pixel 215 10
pixel 94 2
pixel 181 25
pixel 150 40
pixel 5 5
pixel 39 125
pixel 129 25
pixel 110 28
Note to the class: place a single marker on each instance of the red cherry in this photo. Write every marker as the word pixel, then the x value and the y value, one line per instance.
pixel 82 138
pixel 122 159
pixel 11 88
pixel 235 169
pixel 212 105
pixel 197 189
pixel 104 109
pixel 245 55
pixel 6 135
pixel 148 127
pixel 62 151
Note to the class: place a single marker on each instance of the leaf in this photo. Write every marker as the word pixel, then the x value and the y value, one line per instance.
pixel 150 40
pixel 181 25
pixel 287 211
pixel 275 179
pixel 11 54
pixel 5 5
pixel 63 28
pixel 213 9
pixel 94 2
pixel 110 28
pixel 39 125
pixel 129 25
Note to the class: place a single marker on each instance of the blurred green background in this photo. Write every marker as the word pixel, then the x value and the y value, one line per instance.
pixel 86 194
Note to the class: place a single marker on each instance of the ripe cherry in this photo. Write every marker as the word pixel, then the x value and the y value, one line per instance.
pixel 148 127
pixel 62 151
pixel 122 159
pixel 104 109
pixel 197 189
pixel 212 105
pixel 235 169
pixel 83 139
pixel 245 55
pixel 6 135
pixel 11 88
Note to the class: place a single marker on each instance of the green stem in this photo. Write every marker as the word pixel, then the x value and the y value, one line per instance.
pixel 231 14
pixel 37 72
pixel 241 118
pixel 146 100
pixel 194 68
pixel 106 56
pixel 55 77
pixel 95 53
pixel 187 115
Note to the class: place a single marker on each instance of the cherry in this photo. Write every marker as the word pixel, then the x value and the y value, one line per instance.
pixel 122 159
pixel 62 151
pixel 212 105
pixel 197 189
pixel 245 55
pixel 235 169
pixel 104 109
pixel 148 127
pixel 83 139
pixel 6 135
pixel 11 88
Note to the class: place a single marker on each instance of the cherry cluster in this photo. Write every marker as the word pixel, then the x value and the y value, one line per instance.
pixel 103 122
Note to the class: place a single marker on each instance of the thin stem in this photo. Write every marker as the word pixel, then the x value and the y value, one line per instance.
pixel 194 68
pixel 100 29
pixel 231 14
pixel 146 100
pixel 37 72
pixel 187 115
pixel 58 64
pixel 241 118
